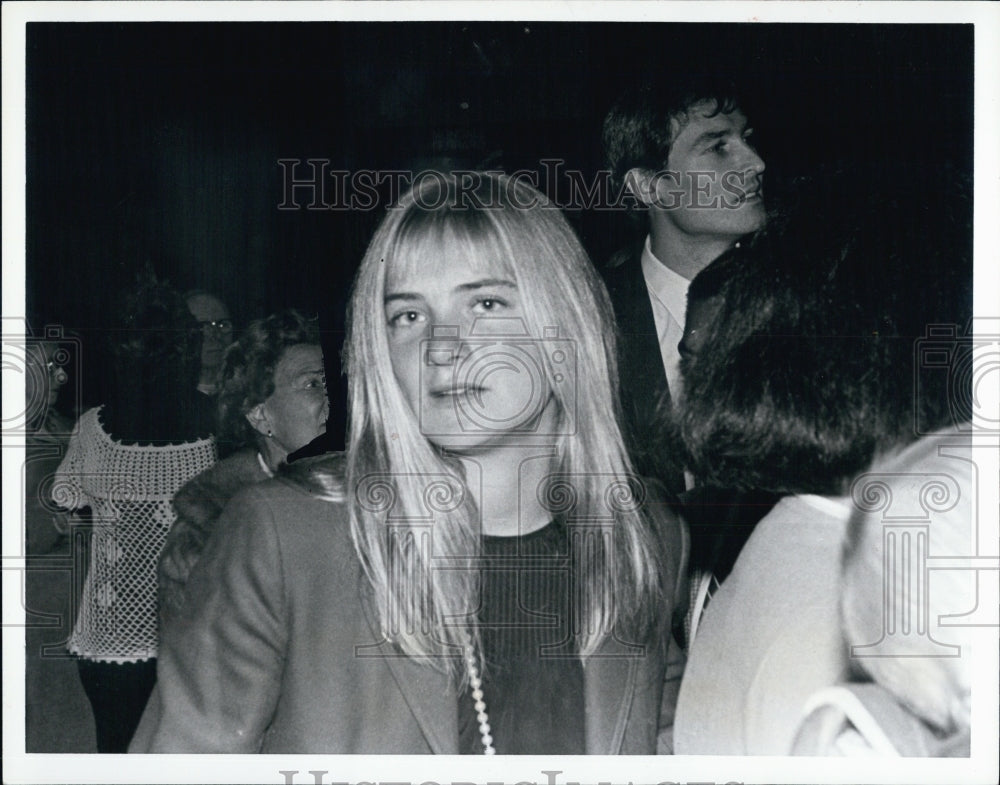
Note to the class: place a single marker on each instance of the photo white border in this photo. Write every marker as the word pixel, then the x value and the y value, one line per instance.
pixel 22 768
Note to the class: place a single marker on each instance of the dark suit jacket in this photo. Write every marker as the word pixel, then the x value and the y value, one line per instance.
pixel 279 649
pixel 720 520
pixel 643 381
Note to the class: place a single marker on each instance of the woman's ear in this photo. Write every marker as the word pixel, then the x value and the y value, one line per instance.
pixel 258 420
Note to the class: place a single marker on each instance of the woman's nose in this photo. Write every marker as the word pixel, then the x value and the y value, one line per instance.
pixel 445 346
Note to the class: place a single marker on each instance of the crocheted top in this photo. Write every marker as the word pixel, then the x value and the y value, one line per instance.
pixel 128 488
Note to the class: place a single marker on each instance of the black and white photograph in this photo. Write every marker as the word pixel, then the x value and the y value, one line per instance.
pixel 501 393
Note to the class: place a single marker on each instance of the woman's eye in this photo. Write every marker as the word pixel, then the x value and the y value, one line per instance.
pixel 718 147
pixel 404 318
pixel 489 304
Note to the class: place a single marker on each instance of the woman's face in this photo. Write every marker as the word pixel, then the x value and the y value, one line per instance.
pixel 297 410
pixel 461 352
pixel 44 377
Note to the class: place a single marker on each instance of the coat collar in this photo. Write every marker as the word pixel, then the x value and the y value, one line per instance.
pixel 609 687
pixel 428 693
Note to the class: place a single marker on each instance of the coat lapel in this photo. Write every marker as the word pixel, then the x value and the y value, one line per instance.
pixel 428 693
pixel 641 363
pixel 642 379
pixel 609 688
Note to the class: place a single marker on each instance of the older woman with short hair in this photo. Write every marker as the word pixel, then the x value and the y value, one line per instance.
pixel 271 401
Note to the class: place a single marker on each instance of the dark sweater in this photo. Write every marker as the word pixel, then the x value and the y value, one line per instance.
pixel 533 680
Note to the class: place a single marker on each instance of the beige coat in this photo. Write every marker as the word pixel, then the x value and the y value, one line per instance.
pixel 279 650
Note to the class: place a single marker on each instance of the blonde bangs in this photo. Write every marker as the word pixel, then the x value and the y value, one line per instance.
pixel 427 240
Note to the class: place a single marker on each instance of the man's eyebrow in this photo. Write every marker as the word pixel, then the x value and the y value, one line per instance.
pixel 711 136
pixel 739 129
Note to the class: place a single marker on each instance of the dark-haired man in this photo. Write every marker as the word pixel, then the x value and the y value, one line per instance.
pixel 684 151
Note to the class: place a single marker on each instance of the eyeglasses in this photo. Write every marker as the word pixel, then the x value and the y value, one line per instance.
pixel 57 371
pixel 219 325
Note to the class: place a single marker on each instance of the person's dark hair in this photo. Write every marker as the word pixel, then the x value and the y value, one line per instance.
pixel 157 329
pixel 155 355
pixel 807 369
pixel 639 129
pixel 246 377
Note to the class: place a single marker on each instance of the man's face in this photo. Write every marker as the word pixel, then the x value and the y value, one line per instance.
pixel 713 183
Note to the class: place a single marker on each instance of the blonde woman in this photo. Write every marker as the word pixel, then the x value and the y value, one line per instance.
pixel 481 571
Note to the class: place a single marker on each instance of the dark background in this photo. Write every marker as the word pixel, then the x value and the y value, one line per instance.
pixel 160 141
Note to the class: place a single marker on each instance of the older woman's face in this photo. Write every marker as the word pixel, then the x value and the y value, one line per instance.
pixel 297 410
pixel 461 353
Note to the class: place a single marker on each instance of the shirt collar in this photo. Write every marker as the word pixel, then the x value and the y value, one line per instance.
pixel 667 286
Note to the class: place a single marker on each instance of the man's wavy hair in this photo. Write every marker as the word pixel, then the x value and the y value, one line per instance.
pixel 246 377
pixel 642 125
pixel 807 370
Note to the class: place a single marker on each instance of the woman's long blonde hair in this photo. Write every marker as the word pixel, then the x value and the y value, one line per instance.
pixel 413 522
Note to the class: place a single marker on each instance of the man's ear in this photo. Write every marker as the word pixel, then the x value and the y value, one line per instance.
pixel 257 418
pixel 641 184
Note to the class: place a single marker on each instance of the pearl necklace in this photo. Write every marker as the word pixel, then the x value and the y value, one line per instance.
pixel 472 669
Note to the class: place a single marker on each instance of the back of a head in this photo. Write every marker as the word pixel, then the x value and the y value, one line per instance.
pixel 903 622
pixel 156 356
pixel 807 370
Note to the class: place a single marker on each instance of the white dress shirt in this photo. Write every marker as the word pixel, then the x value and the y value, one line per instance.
pixel 668 297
